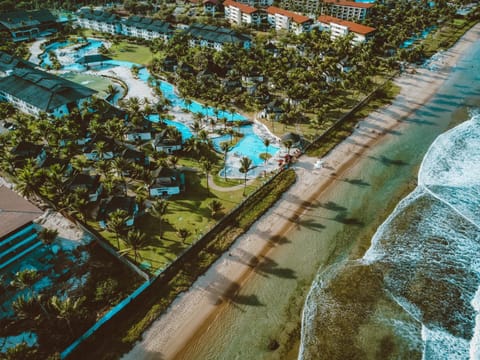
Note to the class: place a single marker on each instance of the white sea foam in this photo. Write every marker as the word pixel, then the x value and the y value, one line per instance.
pixel 428 251
pixel 440 344
pixel 475 342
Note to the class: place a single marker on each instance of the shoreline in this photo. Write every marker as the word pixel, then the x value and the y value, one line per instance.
pixel 195 309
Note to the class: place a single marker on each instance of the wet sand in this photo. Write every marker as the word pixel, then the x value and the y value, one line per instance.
pixel 194 310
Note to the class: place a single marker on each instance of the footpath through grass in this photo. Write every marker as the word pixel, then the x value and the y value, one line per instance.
pixel 120 333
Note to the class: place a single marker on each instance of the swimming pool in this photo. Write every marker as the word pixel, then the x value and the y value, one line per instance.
pixel 250 145
pixel 73 55
pixel 184 129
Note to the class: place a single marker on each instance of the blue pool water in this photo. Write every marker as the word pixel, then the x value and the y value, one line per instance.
pixel 167 89
pixel 423 35
pixel 250 145
pixel 184 129
pixel 92 46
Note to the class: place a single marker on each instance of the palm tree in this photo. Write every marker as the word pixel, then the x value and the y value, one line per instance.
pixel 25 279
pixel 266 142
pixel 122 167
pixel 78 202
pixel 245 167
pixel 225 147
pixel 207 166
pixel 48 236
pixel 288 144
pixel 215 207
pixel 135 241
pixel 116 223
pixel 183 234
pixel 173 161
pixel 27 307
pixel 67 309
pixel 158 210
pixel 188 102
pixel 141 195
pixel 28 179
pixel 112 91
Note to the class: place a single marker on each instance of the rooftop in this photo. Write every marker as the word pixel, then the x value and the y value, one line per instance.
pixel 9 62
pixel 353 27
pixel 300 19
pixel 15 211
pixel 98 15
pixel 247 9
pixel 87 59
pixel 43 90
pixel 150 24
pixel 349 3
pixel 18 19
pixel 216 34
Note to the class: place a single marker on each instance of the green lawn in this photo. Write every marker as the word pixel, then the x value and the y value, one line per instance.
pixel 125 51
pixel 188 210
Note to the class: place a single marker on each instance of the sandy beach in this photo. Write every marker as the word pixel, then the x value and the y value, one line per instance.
pixel 195 309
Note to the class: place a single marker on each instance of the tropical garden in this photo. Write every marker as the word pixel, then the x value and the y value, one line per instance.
pixel 310 78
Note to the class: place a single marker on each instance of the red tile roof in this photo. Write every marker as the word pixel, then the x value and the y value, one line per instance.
pixel 353 27
pixel 243 8
pixel 15 211
pixel 349 3
pixel 296 17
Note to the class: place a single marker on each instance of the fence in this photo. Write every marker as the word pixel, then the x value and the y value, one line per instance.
pixel 153 286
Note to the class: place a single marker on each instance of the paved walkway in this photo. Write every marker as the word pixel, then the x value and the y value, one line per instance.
pixel 36 50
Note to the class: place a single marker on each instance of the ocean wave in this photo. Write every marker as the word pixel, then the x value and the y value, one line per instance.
pixel 421 274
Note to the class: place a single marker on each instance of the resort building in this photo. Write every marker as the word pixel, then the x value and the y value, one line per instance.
pixel 146 28
pixel 167 182
pixel 289 21
pixel 99 21
pixel 339 27
pixel 257 3
pixel 238 13
pixel 210 6
pixel 215 37
pixel 90 183
pixel 125 203
pixel 33 91
pixel 25 25
pixel 26 150
pixel 8 63
pixel 18 235
pixel 346 10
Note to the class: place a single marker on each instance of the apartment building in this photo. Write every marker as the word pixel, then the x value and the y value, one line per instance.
pixel 290 21
pixel 242 14
pixel 340 27
pixel 215 37
pixel 98 20
pixel 257 3
pixel 346 10
pixel 146 28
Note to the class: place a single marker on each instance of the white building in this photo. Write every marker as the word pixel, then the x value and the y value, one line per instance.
pixel 33 91
pixel 146 28
pixel 289 21
pixel 98 20
pixel 346 10
pixel 339 27
pixel 238 13
pixel 257 3
pixel 214 37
